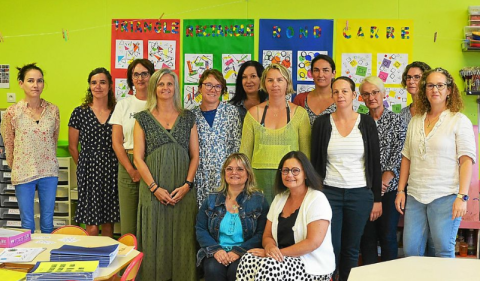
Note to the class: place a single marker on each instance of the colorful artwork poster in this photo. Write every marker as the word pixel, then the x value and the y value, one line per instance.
pixel 157 40
pixel 5 76
pixel 302 39
pixel 231 63
pixel 225 44
pixel 229 94
pixel 191 96
pixel 390 67
pixel 395 99
pixel 195 65
pixel 356 66
pixel 388 43
pixel 121 89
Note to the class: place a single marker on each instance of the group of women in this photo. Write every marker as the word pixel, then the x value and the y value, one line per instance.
pixel 328 173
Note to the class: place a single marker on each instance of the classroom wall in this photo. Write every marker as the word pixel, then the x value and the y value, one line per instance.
pixel 32 33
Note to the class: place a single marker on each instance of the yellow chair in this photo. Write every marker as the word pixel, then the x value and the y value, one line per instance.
pixel 70 229
pixel 129 240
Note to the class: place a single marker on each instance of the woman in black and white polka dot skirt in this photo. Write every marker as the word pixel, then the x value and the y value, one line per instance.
pixel 297 241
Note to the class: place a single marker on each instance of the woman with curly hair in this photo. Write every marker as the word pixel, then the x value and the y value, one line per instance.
pixel 411 82
pixel 437 164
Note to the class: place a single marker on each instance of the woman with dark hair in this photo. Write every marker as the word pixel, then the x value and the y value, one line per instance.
pixel 346 154
pixel 231 221
pixel 30 134
pixel 319 101
pixel 297 240
pixel 411 82
pixel 219 132
pixel 96 161
pixel 122 121
pixel 437 163
pixel 247 87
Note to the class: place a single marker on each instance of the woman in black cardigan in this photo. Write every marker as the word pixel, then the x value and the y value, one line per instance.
pixel 346 153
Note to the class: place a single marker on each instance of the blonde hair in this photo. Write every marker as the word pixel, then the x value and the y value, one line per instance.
pixel 250 185
pixel 152 89
pixel 374 80
pixel 285 73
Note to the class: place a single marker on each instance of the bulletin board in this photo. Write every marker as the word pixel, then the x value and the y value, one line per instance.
pixel 294 43
pixel 221 44
pixel 375 47
pixel 157 40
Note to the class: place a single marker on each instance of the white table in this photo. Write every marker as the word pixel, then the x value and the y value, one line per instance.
pixel 419 268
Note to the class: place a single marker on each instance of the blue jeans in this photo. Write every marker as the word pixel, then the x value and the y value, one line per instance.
pixel 436 218
pixel 215 271
pixel 25 192
pixel 350 211
pixel 384 229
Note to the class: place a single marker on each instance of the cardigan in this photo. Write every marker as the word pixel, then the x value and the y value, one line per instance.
pixel 321 133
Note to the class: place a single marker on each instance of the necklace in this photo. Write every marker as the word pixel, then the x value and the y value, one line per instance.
pixel 235 205
pixel 429 121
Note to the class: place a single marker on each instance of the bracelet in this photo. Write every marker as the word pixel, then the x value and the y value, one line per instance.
pixel 155 189
pixel 400 191
pixel 189 183
pixel 152 184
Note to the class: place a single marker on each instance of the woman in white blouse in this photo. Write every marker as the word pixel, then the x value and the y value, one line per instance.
pixel 437 164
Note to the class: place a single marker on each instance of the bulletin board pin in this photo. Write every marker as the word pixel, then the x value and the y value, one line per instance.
pixel 435 37
pixel 65 34
pixel 160 18
pixel 1 38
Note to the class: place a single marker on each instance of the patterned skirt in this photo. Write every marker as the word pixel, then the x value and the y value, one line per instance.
pixel 291 269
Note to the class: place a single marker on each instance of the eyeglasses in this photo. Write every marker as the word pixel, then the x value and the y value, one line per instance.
pixel 373 93
pixel 236 169
pixel 137 75
pixel 209 87
pixel 439 86
pixel 414 77
pixel 295 171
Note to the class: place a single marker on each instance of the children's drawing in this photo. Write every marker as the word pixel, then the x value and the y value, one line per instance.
pixel 121 89
pixel 304 59
pixel 395 99
pixel 4 76
pixel 229 94
pixel 126 51
pixel 281 57
pixel 195 65
pixel 391 66
pixel 231 63
pixel 162 53
pixel 305 88
pixel 191 96
pixel 356 66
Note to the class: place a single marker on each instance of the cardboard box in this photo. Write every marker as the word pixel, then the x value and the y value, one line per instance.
pixel 15 240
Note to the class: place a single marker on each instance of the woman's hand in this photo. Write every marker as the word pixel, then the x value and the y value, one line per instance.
pixel 400 202
pixel 222 257
pixel 376 211
pixel 272 251
pixel 258 252
pixel 232 256
pixel 180 192
pixel 163 196
pixel 134 175
pixel 459 208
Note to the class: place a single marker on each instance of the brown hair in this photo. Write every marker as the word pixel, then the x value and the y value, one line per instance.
pixel 217 75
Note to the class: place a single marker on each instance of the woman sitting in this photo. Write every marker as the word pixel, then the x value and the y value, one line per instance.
pixel 297 241
pixel 231 221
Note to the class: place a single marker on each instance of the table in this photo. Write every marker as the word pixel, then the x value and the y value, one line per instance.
pixel 54 241
pixel 419 268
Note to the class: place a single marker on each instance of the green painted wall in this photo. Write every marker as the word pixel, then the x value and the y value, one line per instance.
pixel 32 33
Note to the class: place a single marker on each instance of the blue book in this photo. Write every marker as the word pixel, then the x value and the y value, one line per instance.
pixel 105 255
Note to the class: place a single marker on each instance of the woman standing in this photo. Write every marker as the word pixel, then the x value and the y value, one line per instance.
pixel 166 155
pixel 437 163
pixel 391 134
pixel 274 128
pixel 231 221
pixel 219 132
pixel 411 82
pixel 247 88
pixel 319 101
pixel 352 177
pixel 122 121
pixel 96 162
pixel 30 133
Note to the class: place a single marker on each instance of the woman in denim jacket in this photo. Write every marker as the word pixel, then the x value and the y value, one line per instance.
pixel 230 221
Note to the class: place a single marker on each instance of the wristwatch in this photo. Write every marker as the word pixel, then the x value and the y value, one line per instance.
pixel 464 197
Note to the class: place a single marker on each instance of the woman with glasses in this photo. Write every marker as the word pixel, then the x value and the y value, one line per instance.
pixel 122 121
pixel 273 128
pixel 391 134
pixel 319 101
pixel 231 220
pixel 411 82
pixel 346 154
pixel 297 240
pixel 219 132
pixel 437 163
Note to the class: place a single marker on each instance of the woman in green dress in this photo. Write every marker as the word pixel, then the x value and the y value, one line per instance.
pixel 166 155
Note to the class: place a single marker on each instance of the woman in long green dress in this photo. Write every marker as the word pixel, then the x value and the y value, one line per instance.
pixel 166 155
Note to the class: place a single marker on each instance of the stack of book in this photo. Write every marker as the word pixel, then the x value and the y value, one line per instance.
pixel 105 255
pixel 74 270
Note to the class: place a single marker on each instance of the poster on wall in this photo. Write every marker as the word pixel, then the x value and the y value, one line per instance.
pixel 220 44
pixel 152 39
pixel 294 43
pixel 382 48
pixel 5 76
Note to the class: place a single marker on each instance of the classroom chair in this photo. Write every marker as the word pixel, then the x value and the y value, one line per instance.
pixel 132 269
pixel 129 240
pixel 70 229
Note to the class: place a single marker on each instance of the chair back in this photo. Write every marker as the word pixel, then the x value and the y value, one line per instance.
pixel 129 240
pixel 133 268
pixel 70 229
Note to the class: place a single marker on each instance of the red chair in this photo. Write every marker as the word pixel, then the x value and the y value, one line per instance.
pixel 132 269
pixel 70 230
pixel 129 240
